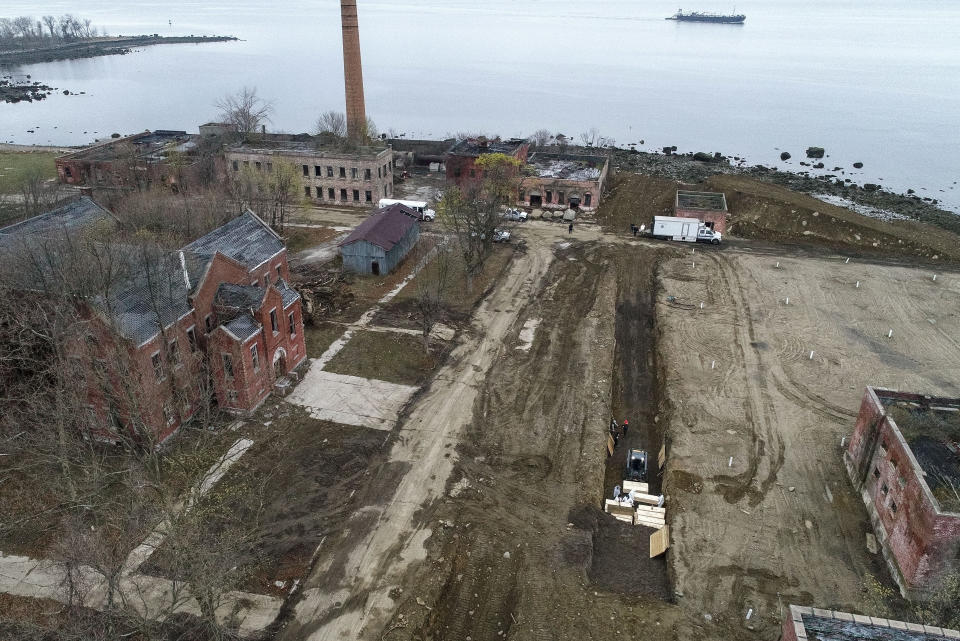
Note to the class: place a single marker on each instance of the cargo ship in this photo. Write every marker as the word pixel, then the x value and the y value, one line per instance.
pixel 700 16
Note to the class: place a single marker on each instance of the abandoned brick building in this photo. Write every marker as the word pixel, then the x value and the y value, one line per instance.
pixel 709 207
pixel 378 244
pixel 330 172
pixel 563 180
pixel 814 624
pixel 904 459
pixel 144 159
pixel 461 158
pixel 217 311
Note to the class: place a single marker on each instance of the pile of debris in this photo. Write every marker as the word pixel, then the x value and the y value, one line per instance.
pixel 324 292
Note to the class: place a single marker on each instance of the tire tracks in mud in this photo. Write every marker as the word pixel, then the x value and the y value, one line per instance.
pixel 759 409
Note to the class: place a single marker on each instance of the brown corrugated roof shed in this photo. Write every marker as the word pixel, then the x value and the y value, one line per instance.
pixel 385 227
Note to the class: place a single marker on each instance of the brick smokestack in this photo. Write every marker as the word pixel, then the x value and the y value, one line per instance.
pixel 353 70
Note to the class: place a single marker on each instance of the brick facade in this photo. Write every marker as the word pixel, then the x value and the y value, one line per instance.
pixel 155 379
pixel 462 157
pixel 919 540
pixel 353 70
pixel 327 175
pixel 142 159
pixel 711 208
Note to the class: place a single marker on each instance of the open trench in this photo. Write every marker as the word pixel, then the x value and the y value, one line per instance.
pixel 525 550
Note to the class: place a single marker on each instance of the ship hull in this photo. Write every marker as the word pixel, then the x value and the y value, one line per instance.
pixel 714 19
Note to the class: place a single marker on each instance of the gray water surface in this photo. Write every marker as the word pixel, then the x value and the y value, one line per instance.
pixel 876 82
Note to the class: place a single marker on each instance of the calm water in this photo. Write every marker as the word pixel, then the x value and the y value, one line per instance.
pixel 877 82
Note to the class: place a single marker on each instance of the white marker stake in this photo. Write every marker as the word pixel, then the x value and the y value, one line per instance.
pixel 694 251
pixel 778 264
pixel 788 300
pixel 858 284
pixel 848 260
pixel 749 613
pixel 730 462
pixel 713 364
pixel 934 278
pixel 701 305
pixel 693 265
pixel 890 334
pixel 843 442
pixel 811 355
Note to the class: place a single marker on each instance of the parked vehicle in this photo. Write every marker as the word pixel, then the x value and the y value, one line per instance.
pixel 688 230
pixel 418 206
pixel 501 235
pixel 516 215
pixel 636 466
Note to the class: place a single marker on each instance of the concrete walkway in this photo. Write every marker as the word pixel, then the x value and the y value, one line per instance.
pixel 152 597
pixel 353 400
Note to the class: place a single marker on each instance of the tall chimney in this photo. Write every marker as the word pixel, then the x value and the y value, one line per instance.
pixel 353 70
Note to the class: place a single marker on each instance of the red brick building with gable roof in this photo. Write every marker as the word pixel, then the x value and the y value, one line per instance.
pixel 219 310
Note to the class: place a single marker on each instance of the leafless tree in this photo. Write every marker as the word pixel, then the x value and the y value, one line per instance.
pixel 333 123
pixel 473 213
pixel 245 110
pixel 592 138
pixel 433 284
pixel 540 138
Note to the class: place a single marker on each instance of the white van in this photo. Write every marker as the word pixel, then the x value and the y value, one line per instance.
pixel 418 206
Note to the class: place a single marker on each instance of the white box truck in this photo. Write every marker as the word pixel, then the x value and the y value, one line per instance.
pixel 418 206
pixel 688 230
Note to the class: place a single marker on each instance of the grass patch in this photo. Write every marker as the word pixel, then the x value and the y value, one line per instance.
pixel 320 336
pixel 16 165
pixel 388 356
pixel 461 296
pixel 307 472
pixel 300 238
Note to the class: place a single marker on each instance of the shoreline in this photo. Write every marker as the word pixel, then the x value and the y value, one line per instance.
pixel 686 169
pixel 94 47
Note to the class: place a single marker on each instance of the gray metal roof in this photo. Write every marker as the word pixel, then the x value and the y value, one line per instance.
pixel 243 326
pixel 65 219
pixel 239 296
pixel 152 296
pixel 288 294
pixel 246 239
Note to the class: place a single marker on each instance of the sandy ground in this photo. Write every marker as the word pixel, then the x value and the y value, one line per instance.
pixel 781 524
pixel 350 593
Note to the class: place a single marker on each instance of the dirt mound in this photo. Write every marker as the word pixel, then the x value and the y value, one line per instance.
pixel 635 199
pixel 770 212
pixel 764 211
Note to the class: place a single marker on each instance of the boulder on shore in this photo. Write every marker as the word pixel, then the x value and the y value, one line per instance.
pixel 871 187
pixel 858 165
pixel 703 156
pixel 785 155
pixel 815 152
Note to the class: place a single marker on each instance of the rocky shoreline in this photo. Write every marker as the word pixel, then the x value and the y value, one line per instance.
pixel 696 168
pixel 98 47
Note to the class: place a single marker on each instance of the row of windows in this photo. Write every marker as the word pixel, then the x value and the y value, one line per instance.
pixel 548 197
pixel 331 194
pixel 318 170
pixel 173 354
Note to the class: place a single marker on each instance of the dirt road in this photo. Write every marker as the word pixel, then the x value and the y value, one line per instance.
pixel 348 595
pixel 763 513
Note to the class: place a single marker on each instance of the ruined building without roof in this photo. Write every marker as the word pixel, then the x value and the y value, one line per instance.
pixel 330 173
pixel 904 458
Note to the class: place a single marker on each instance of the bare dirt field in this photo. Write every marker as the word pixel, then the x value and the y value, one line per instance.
pixel 780 523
